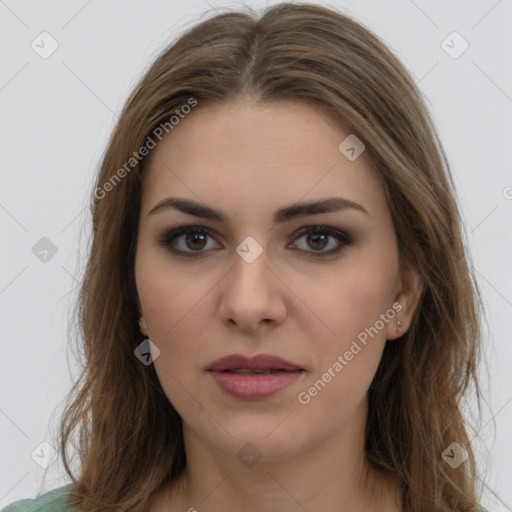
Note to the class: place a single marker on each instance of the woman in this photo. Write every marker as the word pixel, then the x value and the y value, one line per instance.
pixel 278 311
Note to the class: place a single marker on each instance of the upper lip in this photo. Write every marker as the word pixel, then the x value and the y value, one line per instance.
pixel 258 362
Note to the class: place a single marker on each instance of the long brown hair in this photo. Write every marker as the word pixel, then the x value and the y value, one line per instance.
pixel 125 431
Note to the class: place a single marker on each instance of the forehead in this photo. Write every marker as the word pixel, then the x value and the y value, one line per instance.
pixel 234 126
pixel 258 153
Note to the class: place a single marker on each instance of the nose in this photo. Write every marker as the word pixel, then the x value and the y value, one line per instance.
pixel 253 296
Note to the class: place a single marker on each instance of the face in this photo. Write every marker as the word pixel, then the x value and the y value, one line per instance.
pixel 248 275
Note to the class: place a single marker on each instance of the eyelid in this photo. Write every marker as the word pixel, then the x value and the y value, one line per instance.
pixel 172 234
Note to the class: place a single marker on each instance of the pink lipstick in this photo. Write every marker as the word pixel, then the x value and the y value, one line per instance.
pixel 253 378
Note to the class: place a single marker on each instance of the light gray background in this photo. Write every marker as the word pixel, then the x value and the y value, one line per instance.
pixel 57 114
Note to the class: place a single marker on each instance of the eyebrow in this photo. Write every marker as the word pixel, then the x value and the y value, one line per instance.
pixel 285 214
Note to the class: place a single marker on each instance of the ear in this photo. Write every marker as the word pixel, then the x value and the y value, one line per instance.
pixel 407 294
pixel 142 323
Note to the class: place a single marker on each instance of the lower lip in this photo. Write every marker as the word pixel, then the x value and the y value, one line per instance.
pixel 254 387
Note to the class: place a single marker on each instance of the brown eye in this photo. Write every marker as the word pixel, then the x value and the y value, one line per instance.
pixel 187 240
pixel 191 241
pixel 195 241
pixel 317 238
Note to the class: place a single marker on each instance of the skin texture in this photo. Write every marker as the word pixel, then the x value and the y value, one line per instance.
pixel 248 160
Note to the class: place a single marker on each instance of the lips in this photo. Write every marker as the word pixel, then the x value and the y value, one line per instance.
pixel 262 363
pixel 254 378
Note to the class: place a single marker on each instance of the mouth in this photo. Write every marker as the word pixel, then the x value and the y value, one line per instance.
pixel 254 378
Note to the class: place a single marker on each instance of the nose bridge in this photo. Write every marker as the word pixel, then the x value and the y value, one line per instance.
pixel 249 274
pixel 250 294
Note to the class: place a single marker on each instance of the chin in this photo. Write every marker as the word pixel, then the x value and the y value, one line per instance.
pixel 262 442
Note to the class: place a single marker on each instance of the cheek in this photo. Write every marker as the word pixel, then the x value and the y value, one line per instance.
pixel 355 300
pixel 170 296
pixel 346 362
pixel 178 314
pixel 357 307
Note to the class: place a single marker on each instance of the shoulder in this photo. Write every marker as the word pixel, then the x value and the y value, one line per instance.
pixel 52 501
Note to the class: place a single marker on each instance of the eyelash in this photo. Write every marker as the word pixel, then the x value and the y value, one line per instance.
pixel 172 235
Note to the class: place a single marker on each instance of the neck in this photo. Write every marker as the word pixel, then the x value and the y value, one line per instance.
pixel 312 480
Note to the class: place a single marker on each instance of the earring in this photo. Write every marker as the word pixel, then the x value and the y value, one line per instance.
pixel 142 325
pixel 399 322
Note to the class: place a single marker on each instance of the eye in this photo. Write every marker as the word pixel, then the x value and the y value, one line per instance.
pixel 194 238
pixel 191 241
pixel 317 238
